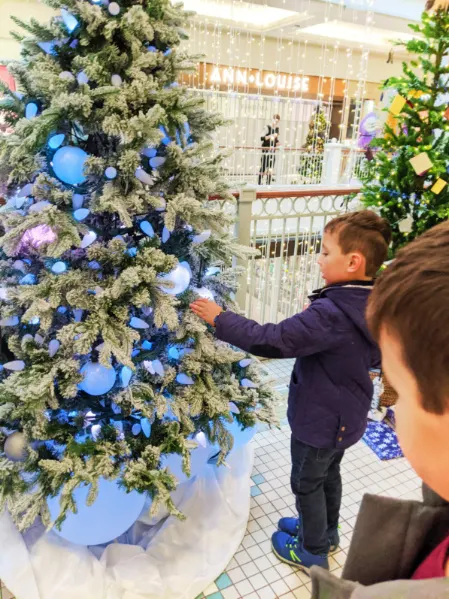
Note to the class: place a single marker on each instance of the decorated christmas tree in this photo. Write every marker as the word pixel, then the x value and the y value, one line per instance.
pixel 318 130
pixel 406 179
pixel 107 236
pixel 311 163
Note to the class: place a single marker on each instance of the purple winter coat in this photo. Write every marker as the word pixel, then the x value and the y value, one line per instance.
pixel 330 390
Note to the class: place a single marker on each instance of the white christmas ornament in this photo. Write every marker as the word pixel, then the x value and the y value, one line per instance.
pixel 77 201
pixel 406 225
pixel 157 161
pixel 138 323
pixel 16 447
pixel 245 363
pixel 143 176
pixel 202 237
pixel 88 239
pixel 201 439
pixel 180 277
pixel 204 293
pixel 66 76
pixel 116 80
pixel 114 9
pixel 53 347
pixel 15 366
pixel 248 384
pixel 165 235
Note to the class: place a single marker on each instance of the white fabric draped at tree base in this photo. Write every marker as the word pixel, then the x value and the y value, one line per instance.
pixel 163 558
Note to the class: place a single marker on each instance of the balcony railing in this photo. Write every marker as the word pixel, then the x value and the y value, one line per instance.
pixel 294 166
pixel 286 227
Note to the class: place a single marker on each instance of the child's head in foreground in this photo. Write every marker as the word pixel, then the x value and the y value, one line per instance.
pixel 354 247
pixel 408 314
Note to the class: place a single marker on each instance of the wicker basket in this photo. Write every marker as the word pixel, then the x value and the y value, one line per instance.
pixel 389 396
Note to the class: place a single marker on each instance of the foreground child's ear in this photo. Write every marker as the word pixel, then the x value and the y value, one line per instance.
pixel 356 261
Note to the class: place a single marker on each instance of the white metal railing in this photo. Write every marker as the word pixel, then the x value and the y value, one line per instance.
pixel 286 227
pixel 293 166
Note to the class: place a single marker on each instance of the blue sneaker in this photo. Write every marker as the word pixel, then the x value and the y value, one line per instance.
pixel 289 550
pixel 292 526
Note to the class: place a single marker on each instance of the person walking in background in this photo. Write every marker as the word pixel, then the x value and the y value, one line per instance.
pixel 270 141
pixel 331 390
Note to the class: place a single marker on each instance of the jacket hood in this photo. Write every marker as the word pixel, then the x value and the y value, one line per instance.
pixel 350 298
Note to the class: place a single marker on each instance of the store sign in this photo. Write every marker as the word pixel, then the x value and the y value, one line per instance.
pixel 269 83
pixel 260 79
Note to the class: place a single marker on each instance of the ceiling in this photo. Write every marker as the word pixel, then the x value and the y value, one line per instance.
pixel 367 24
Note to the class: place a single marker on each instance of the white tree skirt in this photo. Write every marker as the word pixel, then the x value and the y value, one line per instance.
pixel 166 559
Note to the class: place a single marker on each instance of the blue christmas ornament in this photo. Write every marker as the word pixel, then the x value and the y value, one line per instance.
pixel 173 353
pixel 147 345
pixel 152 49
pixel 143 176
pixel 56 141
pixel 166 139
pixel 98 379
pixel 81 214
pixel 28 280
pixel 82 78
pixel 187 129
pixel 113 512
pixel 110 172
pixel 168 52
pixel 59 267
pixel 125 376
pixel 70 21
pixel 149 152
pixel 10 321
pixel 62 309
pixel 184 379
pixel 94 265
pixel 68 165
pixel 31 110
pixel 147 228
pixel 146 427
pixel 132 252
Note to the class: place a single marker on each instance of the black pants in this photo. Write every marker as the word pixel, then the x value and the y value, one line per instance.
pixel 267 165
pixel 316 483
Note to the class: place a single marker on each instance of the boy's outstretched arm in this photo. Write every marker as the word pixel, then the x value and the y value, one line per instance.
pixel 309 332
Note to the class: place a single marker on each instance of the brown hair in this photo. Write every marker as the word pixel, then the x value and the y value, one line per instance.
pixel 363 232
pixel 411 300
pixel 277 116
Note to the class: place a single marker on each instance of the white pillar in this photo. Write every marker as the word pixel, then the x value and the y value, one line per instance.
pixel 332 161
pixel 243 233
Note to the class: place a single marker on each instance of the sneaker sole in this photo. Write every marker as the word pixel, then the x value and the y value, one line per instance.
pixel 292 564
pixel 333 549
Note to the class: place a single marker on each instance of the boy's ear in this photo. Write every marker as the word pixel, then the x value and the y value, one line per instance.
pixel 356 261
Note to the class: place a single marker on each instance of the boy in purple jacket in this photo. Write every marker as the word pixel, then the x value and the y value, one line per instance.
pixel 330 390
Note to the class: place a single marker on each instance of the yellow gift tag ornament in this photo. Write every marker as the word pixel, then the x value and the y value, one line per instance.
pixel 440 184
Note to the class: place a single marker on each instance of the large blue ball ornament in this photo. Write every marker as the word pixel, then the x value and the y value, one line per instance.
pixel 113 513
pixel 98 379
pixel 68 165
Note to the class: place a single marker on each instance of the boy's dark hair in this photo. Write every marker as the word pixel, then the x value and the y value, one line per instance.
pixel 411 301
pixel 363 232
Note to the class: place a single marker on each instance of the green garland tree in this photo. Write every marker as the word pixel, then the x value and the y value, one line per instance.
pixel 107 236
pixel 406 181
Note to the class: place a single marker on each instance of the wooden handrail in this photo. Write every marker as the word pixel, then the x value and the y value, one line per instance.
pixel 307 193
pixel 297 193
